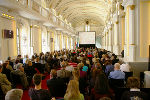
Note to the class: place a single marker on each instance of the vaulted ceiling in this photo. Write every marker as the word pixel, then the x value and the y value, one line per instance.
pixel 77 12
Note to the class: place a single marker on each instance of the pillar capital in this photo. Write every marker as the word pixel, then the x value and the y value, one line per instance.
pixel 132 7
pixel 115 18
pixel 130 3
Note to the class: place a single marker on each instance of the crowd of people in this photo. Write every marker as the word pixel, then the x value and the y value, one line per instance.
pixel 80 74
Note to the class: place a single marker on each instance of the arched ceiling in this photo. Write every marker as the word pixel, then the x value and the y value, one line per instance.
pixel 77 12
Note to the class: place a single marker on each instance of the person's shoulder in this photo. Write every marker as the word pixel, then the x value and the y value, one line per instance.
pixel 44 91
pixel 82 96
pixel 2 75
pixel 31 90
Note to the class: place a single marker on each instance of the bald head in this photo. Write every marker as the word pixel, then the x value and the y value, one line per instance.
pixel 117 66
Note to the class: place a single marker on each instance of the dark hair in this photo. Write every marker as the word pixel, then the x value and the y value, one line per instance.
pixel 37 78
pixel 1 66
pixel 17 61
pixel 5 64
pixel 9 58
pixel 101 84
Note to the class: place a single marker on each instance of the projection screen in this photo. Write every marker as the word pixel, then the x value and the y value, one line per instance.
pixel 87 37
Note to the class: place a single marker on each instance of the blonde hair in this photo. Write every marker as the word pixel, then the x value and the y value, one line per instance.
pixel 76 74
pixel 30 63
pixel 80 66
pixel 72 91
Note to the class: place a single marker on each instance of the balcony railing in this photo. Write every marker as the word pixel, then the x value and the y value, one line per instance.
pixel 32 4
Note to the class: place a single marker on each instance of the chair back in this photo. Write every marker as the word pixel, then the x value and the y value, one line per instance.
pixel 128 74
pixel 116 83
pixel 1 94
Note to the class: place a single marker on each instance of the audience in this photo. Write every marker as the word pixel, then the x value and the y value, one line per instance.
pixel 14 94
pixel 72 92
pixel 70 72
pixel 4 83
pixel 38 93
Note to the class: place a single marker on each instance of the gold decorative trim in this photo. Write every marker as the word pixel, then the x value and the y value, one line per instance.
pixel 117 22
pixel 31 26
pixel 132 44
pixel 111 29
pixel 121 7
pixel 123 16
pixel 132 7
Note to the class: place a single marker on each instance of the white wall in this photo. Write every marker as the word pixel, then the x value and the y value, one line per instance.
pixel 7 46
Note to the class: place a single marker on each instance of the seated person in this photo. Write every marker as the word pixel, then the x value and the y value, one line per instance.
pixel 101 88
pixel 82 81
pixel 134 94
pixel 117 73
pixel 14 94
pixel 6 71
pixel 4 83
pixel 109 67
pixel 30 71
pixel 72 92
pixel 38 65
pixel 125 67
pixel 85 68
pixel 57 86
pixel 20 71
pixel 38 93
pixel 83 74
pixel 63 73
pixel 9 66
pixel 69 67
pixel 105 98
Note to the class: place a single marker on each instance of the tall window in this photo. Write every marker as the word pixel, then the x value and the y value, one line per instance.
pixel 24 41
pixel 87 26
pixel 18 42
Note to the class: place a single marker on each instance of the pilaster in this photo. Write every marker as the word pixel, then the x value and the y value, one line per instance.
pixel 130 46
pixel 116 34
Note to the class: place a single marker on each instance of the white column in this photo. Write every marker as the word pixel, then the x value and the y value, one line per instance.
pixel 104 40
pixel 132 45
pixel 107 39
pixel 110 39
pixel 116 35
pixel 125 41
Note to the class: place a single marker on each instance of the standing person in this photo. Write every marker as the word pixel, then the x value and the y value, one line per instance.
pixel 38 93
pixel 72 92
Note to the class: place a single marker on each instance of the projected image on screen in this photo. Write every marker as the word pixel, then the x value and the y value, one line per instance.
pixel 86 37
